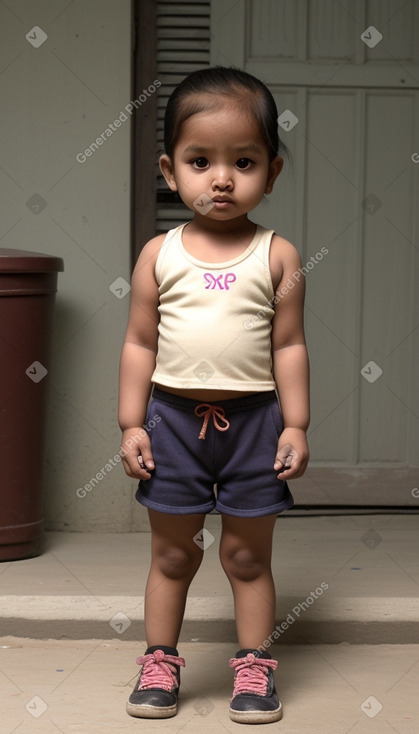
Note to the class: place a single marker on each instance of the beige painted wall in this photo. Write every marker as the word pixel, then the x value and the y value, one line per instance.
pixel 57 97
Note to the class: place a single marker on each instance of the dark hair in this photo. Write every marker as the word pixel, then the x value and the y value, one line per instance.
pixel 228 82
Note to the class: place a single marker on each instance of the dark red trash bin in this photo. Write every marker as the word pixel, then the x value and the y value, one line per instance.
pixel 28 282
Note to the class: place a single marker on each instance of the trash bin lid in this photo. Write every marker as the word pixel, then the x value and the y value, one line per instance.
pixel 18 261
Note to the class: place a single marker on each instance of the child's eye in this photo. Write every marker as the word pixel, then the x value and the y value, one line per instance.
pixel 243 163
pixel 200 162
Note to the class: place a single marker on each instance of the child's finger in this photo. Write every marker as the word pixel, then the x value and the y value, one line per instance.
pixel 146 464
pixel 294 467
pixel 145 459
pixel 284 457
pixel 137 466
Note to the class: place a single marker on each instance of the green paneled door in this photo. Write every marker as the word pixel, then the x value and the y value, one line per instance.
pixel 345 76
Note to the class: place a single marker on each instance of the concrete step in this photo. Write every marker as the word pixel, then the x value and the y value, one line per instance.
pixel 338 579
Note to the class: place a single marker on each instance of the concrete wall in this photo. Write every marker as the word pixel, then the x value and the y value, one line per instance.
pixel 59 94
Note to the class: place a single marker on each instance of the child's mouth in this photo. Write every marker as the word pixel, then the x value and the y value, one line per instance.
pixel 221 203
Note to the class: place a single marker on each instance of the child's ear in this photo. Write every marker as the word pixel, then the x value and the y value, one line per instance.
pixel 275 168
pixel 166 168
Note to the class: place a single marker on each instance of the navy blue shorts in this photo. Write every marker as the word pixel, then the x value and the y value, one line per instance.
pixel 239 458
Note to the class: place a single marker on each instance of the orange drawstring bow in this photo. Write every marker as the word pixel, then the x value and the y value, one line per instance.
pixel 206 410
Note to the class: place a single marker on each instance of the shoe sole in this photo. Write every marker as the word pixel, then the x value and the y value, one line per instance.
pixel 151 712
pixel 256 717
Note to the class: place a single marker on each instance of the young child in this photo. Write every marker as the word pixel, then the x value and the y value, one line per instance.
pixel 216 328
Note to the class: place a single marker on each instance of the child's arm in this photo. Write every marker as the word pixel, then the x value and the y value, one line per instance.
pixel 290 359
pixel 137 364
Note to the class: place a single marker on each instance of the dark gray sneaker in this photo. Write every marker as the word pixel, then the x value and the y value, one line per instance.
pixel 255 700
pixel 156 691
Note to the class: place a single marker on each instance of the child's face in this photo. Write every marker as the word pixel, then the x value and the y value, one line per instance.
pixel 221 165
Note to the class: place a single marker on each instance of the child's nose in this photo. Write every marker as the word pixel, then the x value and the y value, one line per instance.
pixel 222 179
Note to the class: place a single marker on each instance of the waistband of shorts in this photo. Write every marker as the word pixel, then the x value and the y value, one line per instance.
pixel 247 402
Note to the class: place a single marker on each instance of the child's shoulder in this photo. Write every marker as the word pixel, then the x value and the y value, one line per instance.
pixel 282 248
pixel 154 245
pixel 150 251
pixel 283 257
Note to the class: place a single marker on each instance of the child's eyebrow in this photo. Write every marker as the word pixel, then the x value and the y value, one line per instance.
pixel 194 149
pixel 247 147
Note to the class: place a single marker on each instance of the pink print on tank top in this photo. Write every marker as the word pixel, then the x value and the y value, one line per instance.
pixel 221 282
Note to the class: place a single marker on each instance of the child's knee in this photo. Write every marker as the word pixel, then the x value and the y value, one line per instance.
pixel 178 563
pixel 242 564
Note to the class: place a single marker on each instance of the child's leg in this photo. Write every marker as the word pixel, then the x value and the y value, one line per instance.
pixel 175 558
pixel 245 554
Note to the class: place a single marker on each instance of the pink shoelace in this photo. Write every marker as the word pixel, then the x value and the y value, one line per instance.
pixel 159 671
pixel 251 674
pixel 207 411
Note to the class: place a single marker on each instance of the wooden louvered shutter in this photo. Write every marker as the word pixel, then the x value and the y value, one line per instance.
pixel 183 45
pixel 172 39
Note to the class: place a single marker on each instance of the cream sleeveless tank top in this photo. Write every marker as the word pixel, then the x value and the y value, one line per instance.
pixel 215 318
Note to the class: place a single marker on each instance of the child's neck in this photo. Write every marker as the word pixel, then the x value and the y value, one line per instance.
pixel 235 229
pixel 212 241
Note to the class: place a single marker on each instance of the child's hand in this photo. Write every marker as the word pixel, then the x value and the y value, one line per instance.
pixel 292 453
pixel 135 452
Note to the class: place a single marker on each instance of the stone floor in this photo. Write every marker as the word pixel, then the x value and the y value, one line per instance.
pixel 69 686
pixel 72 626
